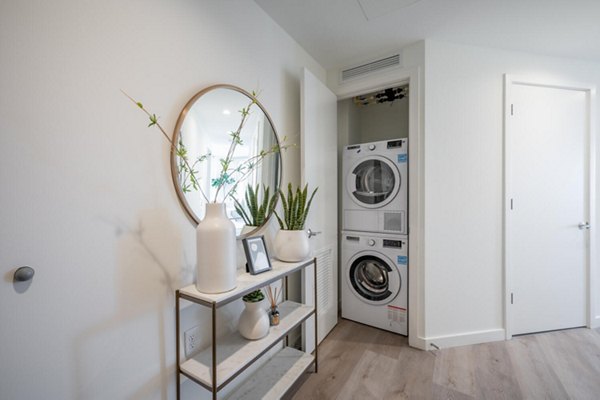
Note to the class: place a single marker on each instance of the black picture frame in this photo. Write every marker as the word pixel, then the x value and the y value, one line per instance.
pixel 257 256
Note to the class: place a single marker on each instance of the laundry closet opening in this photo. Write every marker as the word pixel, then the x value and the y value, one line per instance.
pixel 373 130
pixel 380 115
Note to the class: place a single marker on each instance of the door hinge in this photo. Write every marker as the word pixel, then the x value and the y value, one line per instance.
pixel 511 204
pixel 512 111
pixel 511 298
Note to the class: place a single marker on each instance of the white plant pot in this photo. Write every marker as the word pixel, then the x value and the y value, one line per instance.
pixel 247 229
pixel 254 321
pixel 292 246
pixel 216 251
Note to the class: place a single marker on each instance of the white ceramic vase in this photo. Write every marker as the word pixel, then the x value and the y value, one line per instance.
pixel 247 229
pixel 216 251
pixel 254 321
pixel 292 246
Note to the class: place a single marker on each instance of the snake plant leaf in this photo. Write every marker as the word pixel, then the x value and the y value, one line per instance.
pixel 252 203
pixel 281 224
pixel 308 207
pixel 301 204
pixel 240 210
pixel 272 202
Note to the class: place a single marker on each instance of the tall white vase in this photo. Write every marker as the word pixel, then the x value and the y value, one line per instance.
pixel 216 251
pixel 292 246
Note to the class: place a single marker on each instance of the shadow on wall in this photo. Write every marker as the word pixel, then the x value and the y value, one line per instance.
pixel 150 266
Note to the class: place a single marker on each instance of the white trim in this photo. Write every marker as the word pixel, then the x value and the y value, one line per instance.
pixel 416 286
pixel 590 90
pixel 464 339
pixel 506 222
pixel 593 320
pixel 417 342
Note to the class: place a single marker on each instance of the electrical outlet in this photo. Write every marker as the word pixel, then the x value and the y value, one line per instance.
pixel 191 338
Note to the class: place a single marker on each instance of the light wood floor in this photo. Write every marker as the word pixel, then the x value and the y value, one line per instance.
pixel 360 362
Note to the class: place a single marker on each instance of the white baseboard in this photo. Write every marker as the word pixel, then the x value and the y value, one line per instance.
pixel 595 322
pixel 463 339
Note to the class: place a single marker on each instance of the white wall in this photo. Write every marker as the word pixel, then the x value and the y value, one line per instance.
pixel 384 121
pixel 86 192
pixel 464 183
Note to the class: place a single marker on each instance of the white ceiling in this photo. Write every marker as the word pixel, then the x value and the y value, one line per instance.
pixel 340 33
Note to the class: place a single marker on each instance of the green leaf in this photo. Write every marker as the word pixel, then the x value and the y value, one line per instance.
pixel 153 120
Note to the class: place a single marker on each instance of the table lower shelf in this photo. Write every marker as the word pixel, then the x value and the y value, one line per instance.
pixel 276 377
pixel 234 352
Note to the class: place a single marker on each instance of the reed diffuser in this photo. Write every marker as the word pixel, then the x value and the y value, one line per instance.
pixel 273 296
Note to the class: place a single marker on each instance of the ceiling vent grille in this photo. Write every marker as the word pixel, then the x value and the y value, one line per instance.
pixel 384 63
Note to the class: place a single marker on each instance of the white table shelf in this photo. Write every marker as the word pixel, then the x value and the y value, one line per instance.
pixel 276 377
pixel 230 355
pixel 235 352
pixel 246 283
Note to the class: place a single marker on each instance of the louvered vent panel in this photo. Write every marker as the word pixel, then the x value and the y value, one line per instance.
pixel 368 68
pixel 324 279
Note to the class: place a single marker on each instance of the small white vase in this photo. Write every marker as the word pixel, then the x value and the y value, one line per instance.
pixel 254 321
pixel 216 251
pixel 292 246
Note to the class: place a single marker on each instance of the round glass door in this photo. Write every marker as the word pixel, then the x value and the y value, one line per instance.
pixel 373 279
pixel 373 182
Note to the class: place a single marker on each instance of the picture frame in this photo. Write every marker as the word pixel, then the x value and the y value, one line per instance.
pixel 257 256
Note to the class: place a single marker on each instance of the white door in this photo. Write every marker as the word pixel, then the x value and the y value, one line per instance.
pixel 319 169
pixel 547 200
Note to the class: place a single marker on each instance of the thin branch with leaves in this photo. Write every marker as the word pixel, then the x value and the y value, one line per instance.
pixel 187 173
pixel 180 150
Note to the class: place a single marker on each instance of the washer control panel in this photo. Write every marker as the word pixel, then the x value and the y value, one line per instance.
pixel 396 244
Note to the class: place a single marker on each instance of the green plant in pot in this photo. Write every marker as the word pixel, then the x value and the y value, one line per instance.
pixel 291 242
pixel 254 297
pixel 254 321
pixel 257 208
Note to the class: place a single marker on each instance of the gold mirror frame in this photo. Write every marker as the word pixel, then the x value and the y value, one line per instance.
pixel 174 171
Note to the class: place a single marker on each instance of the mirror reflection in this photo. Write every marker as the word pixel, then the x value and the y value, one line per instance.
pixel 205 128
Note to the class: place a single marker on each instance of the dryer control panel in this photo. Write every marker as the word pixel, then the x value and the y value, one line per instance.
pixel 394 144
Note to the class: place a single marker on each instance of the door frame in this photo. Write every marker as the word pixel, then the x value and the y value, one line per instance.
pixel 591 278
pixel 411 76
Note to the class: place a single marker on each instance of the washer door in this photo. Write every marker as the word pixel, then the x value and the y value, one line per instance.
pixel 373 182
pixel 373 278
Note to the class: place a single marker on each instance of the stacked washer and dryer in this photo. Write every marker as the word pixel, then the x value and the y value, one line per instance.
pixel 374 245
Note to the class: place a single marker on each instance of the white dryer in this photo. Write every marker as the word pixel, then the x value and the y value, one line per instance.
pixel 375 180
pixel 375 280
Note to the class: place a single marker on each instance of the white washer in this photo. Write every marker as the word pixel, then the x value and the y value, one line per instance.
pixel 375 280
pixel 375 180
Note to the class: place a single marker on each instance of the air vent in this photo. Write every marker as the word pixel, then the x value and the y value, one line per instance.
pixel 384 63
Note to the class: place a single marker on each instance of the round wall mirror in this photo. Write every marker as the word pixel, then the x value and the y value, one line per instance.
pixel 204 130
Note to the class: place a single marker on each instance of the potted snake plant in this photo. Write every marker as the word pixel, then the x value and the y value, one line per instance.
pixel 256 210
pixel 291 242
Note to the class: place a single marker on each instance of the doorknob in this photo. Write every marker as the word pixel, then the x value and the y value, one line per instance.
pixel 584 225
pixel 23 274
pixel 312 233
